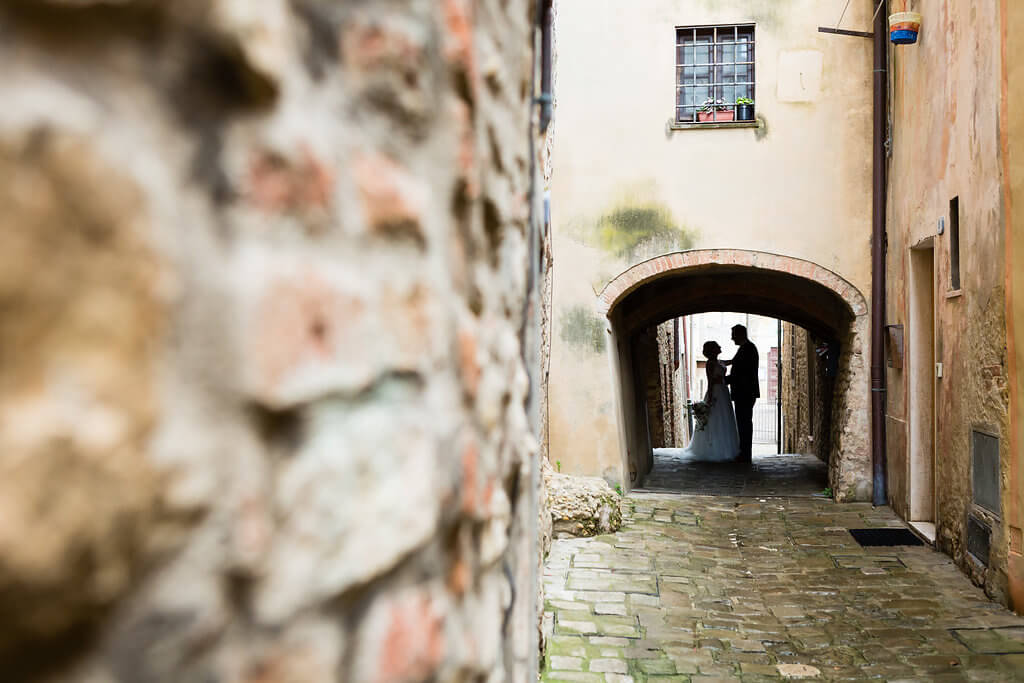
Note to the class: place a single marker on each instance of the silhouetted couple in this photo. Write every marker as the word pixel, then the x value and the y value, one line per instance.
pixel 724 433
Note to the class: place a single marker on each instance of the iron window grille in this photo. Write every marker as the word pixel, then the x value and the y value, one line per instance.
pixel 713 63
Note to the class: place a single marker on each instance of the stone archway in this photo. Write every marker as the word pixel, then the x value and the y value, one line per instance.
pixel 792 289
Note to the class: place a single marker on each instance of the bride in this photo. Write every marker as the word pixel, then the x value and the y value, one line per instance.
pixel 718 440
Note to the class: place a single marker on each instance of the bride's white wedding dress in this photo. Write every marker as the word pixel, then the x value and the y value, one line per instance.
pixel 719 441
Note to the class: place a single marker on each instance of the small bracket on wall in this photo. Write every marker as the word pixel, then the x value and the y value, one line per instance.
pixel 844 32
pixel 942 225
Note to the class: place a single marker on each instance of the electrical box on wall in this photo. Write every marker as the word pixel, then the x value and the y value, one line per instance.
pixel 938 370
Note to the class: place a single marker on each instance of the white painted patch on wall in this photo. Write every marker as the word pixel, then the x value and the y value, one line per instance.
pixel 799 75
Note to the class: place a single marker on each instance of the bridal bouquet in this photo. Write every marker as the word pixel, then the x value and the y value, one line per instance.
pixel 701 411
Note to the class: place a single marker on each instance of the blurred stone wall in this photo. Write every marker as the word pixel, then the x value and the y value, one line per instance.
pixel 262 310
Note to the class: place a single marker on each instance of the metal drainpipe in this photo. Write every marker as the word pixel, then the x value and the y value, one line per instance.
pixel 546 100
pixel 878 248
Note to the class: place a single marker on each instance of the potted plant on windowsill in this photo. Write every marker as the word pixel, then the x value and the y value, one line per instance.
pixel 744 109
pixel 713 110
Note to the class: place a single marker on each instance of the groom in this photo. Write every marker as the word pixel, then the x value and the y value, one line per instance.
pixel 743 384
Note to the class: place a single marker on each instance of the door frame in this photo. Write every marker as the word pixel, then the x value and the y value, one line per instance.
pixel 922 449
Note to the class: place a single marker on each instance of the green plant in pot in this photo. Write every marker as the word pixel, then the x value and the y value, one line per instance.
pixel 714 110
pixel 744 109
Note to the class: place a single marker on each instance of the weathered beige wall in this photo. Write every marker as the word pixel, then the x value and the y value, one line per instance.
pixel 626 187
pixel 263 406
pixel 1012 126
pixel 806 396
pixel 946 143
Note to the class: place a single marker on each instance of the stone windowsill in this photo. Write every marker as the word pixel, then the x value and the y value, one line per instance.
pixel 713 124
pixel 954 293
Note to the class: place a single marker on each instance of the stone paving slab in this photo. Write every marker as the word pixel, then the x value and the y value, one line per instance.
pixel 700 588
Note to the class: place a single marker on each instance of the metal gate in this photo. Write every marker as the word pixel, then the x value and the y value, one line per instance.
pixel 766 422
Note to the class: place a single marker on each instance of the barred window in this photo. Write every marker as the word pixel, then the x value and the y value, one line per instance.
pixel 714 68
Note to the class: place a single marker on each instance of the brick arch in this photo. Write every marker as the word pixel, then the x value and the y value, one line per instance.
pixel 656 268
pixel 792 289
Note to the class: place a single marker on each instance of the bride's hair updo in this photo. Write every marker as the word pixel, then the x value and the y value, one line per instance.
pixel 710 348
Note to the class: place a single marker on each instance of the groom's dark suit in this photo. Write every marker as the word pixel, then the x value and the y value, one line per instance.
pixel 745 391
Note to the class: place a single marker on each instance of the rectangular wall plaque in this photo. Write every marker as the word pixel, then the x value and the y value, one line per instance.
pixel 895 346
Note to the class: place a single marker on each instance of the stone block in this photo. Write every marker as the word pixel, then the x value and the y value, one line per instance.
pixel 306 323
pixel 83 295
pixel 390 506
pixel 582 506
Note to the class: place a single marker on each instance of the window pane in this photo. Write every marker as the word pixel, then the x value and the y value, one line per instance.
pixel 685 36
pixel 745 91
pixel 685 114
pixel 726 93
pixel 702 54
pixel 744 52
pixel 725 54
pixel 702 75
pixel 685 96
pixel 700 94
pixel 724 74
pixel 745 34
pixel 743 72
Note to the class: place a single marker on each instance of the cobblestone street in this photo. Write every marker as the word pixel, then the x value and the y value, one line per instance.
pixel 703 588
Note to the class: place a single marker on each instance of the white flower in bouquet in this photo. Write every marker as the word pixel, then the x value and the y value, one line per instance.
pixel 701 411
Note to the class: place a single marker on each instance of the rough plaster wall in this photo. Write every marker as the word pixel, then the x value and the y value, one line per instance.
pixel 680 434
pixel 946 143
pixel 794 389
pixel 824 397
pixel 669 390
pixel 808 411
pixel 656 348
pixel 647 359
pixel 263 403
pixel 819 398
pixel 851 417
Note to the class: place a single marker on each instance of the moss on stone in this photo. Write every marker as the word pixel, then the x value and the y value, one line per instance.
pixel 634 230
pixel 583 329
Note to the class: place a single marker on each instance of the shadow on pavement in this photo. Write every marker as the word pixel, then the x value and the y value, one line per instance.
pixel 767 475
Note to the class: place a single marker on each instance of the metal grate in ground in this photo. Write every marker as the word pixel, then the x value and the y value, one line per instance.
pixel 884 537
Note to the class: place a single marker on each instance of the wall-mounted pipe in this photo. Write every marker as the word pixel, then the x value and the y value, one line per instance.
pixel 546 98
pixel 878 248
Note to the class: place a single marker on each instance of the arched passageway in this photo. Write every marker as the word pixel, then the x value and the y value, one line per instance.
pixel 794 290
